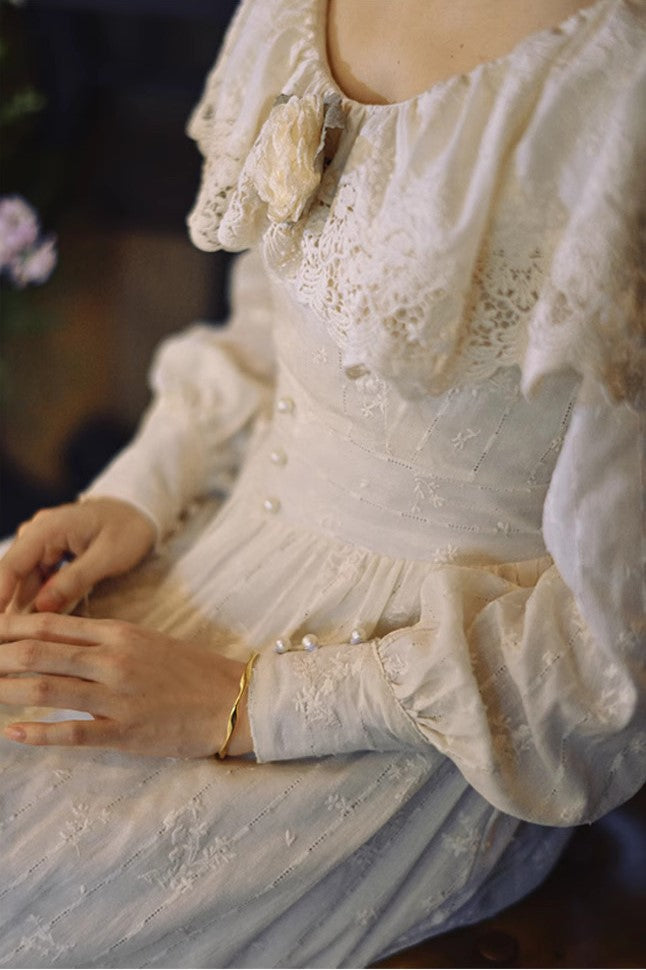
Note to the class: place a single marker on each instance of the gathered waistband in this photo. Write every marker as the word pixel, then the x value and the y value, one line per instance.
pixel 325 482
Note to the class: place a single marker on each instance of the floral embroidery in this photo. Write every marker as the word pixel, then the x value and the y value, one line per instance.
pixel 394 666
pixel 40 939
pixel 446 554
pixel 462 437
pixel 365 857
pixel 613 700
pixel 406 770
pixel 637 745
pixel 81 821
pixel 629 641
pixel 464 840
pixel 330 522
pixel 366 916
pixel 374 395
pixel 194 852
pixel 505 384
pixel 341 564
pixel 510 740
pixel 425 490
pixel 313 699
pixel 338 803
pixel 510 640
pixel 581 631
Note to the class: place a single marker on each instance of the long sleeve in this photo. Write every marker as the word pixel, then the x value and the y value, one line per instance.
pixel 208 386
pixel 530 678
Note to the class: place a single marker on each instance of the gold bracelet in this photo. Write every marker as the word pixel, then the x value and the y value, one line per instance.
pixel 233 716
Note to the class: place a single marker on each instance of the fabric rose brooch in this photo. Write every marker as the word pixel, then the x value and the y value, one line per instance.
pixel 291 151
pixel 282 173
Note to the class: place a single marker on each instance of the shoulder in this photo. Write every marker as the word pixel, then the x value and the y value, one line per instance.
pixel 253 59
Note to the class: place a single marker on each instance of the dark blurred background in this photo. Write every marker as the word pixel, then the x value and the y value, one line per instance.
pixel 101 153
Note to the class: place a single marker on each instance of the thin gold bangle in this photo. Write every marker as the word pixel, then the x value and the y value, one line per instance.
pixel 233 716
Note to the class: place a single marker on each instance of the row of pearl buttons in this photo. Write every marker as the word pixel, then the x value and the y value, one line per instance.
pixel 284 405
pixel 310 642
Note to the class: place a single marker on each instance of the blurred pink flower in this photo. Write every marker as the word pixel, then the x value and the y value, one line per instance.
pixel 36 264
pixel 18 228
pixel 24 257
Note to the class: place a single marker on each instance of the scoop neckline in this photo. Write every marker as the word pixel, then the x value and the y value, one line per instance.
pixel 566 26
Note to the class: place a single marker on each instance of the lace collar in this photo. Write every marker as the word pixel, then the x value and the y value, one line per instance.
pixel 443 239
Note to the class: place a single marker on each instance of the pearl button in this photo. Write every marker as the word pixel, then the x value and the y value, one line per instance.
pixel 271 505
pixel 285 405
pixel 278 457
pixel 358 635
pixel 310 642
pixel 282 645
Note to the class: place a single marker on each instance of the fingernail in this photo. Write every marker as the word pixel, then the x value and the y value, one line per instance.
pixel 15 733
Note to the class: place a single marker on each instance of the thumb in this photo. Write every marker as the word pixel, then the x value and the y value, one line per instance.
pixel 72 581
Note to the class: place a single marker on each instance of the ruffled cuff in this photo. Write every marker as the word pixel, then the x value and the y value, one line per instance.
pixel 333 700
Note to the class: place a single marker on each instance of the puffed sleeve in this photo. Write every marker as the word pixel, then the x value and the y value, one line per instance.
pixel 209 384
pixel 530 678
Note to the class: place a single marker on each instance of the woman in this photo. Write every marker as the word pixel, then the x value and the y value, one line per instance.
pixel 433 371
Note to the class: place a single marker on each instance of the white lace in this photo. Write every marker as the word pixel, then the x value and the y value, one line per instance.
pixel 481 249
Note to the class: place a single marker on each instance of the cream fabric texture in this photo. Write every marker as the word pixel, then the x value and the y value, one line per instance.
pixel 426 414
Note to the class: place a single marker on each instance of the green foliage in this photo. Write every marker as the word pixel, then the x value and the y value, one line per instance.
pixel 27 101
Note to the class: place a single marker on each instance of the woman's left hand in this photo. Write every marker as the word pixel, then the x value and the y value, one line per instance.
pixel 148 694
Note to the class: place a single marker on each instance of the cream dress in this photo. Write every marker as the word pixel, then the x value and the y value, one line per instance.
pixel 432 382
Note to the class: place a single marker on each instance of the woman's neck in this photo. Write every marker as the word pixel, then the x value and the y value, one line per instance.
pixel 383 51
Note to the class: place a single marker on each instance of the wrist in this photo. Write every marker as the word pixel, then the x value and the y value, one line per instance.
pixel 146 523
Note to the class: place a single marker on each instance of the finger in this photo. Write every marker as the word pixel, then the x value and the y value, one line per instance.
pixel 44 690
pixel 10 579
pixel 38 656
pixel 41 540
pixel 25 593
pixel 71 583
pixel 55 627
pixel 98 733
pixel 28 588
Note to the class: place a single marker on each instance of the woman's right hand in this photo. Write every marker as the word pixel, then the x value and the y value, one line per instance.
pixel 100 537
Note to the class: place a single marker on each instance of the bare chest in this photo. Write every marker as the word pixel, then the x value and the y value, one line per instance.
pixel 383 51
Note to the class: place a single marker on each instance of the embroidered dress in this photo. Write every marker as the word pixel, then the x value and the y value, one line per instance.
pixel 427 412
